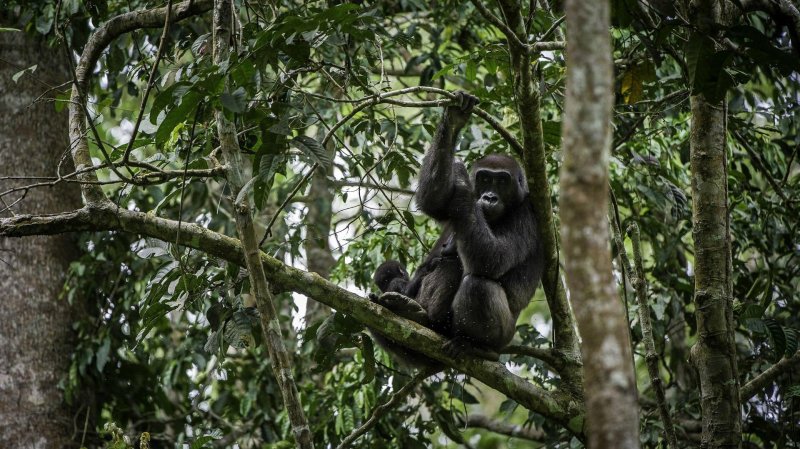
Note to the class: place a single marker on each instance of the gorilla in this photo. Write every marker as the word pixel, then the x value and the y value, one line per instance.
pixel 487 263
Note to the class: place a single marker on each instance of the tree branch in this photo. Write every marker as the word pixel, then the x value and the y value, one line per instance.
pixel 551 404
pixel 270 324
pixel 381 410
pixel 550 356
pixel 764 379
pixel 636 275
pixel 385 98
pixel 491 18
pixel 527 99
pixel 99 40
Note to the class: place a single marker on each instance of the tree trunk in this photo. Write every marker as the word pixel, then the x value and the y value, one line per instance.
pixel 714 353
pixel 35 336
pixel 319 257
pixel 270 326
pixel 610 389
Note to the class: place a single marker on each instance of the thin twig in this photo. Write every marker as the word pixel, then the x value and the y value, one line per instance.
pixel 382 98
pixel 286 201
pixel 494 20
pixel 760 166
pixel 552 28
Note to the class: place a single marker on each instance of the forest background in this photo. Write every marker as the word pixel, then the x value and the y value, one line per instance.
pixel 287 139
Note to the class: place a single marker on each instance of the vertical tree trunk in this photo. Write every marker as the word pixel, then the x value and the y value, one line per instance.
pixel 35 336
pixel 528 99
pixel 610 390
pixel 319 257
pixel 714 353
pixel 270 326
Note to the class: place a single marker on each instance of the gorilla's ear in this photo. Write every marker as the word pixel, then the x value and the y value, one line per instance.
pixel 523 182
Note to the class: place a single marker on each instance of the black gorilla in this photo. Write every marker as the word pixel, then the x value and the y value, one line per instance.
pixel 487 263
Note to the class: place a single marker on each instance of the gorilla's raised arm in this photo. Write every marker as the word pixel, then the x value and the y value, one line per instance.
pixel 441 172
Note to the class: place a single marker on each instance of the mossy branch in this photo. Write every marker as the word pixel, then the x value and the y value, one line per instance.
pixel 555 405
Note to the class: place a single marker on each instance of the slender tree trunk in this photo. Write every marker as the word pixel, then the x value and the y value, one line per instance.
pixel 714 353
pixel 35 335
pixel 528 102
pixel 612 412
pixel 270 326
pixel 319 257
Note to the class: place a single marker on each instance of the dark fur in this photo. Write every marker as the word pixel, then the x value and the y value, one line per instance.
pixel 476 297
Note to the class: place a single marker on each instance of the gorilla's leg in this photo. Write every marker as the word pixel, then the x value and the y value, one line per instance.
pixel 481 317
pixel 437 292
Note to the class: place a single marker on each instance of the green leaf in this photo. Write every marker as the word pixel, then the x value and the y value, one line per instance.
pixel 508 406
pixel 6 29
pixel 447 426
pixel 246 404
pixel 698 49
pixel 203 441
pixel 552 132
pixel 471 71
pixel 236 101
pixel 44 20
pixel 101 357
pixel 368 351
pixel 707 67
pixel 791 341
pixel 213 343
pixel 777 336
pixel 177 115
pixel 268 164
pixel 166 98
pixel 313 149
pixel 15 77
pixel 245 188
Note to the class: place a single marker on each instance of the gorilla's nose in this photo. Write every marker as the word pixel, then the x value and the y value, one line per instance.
pixel 489 198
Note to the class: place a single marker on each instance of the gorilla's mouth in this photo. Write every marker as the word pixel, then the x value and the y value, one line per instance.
pixel 492 208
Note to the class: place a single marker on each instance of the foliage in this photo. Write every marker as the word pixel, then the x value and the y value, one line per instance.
pixel 168 342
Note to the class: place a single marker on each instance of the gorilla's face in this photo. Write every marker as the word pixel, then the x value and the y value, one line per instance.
pixel 495 191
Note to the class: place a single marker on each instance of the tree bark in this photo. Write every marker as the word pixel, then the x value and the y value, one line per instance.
pixel 528 101
pixel 610 389
pixel 714 353
pixel 36 340
pixel 270 326
pixel 319 257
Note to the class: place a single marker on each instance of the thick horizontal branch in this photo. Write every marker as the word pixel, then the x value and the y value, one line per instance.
pixel 550 404
pixel 769 375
